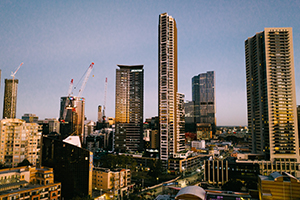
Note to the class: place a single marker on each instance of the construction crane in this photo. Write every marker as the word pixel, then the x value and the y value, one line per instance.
pixel 104 104
pixel 67 101
pixel 85 79
pixel 14 73
pixel 13 90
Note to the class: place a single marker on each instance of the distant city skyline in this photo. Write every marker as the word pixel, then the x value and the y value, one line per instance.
pixel 58 40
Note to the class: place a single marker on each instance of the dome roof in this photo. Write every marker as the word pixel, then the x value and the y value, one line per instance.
pixel 192 193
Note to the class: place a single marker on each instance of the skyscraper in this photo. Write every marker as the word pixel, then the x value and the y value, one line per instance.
pixel 10 98
pixel 271 97
pixel 129 109
pixel 74 116
pixel 167 88
pixel 203 95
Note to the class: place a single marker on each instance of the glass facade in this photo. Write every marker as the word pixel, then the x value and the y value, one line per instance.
pixel 203 95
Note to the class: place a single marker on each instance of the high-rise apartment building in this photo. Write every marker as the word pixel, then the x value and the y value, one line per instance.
pixel 129 108
pixel 74 116
pixel 168 110
pixel 271 97
pixel 18 141
pixel 203 95
pixel 10 98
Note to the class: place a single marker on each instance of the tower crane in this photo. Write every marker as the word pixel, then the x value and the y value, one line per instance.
pixel 85 79
pixel 14 73
pixel 67 100
pixel 13 90
pixel 104 104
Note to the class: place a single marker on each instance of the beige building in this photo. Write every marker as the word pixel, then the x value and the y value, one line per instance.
pixel 170 102
pixel 28 183
pixel 278 186
pixel 112 182
pixel 19 140
pixel 271 97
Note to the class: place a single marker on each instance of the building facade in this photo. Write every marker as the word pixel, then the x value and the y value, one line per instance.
pixel 167 86
pixel 129 109
pixel 203 95
pixel 29 183
pixel 278 186
pixel 73 121
pixel 189 108
pixel 30 118
pixel 271 97
pixel 19 140
pixel 115 182
pixel 73 167
pixel 49 125
pixel 180 136
pixel 10 98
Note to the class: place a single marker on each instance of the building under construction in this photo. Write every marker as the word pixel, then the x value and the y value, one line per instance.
pixel 73 123
pixel 10 98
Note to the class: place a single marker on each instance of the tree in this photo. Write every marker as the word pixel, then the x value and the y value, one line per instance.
pixel 2 166
pixel 82 198
pixel 233 185
pixel 113 161
pixel 251 185
pixel 25 162
pixel 155 168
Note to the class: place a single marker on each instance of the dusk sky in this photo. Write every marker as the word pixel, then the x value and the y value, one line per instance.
pixel 58 40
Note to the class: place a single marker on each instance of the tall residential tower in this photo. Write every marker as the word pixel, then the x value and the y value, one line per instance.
pixel 170 141
pixel 271 97
pixel 129 109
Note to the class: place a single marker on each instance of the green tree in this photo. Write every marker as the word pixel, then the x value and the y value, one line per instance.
pixel 2 166
pixel 155 168
pixel 82 198
pixel 25 162
pixel 233 185
pixel 251 185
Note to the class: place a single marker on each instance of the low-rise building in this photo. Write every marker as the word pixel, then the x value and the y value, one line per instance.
pixel 113 182
pixel 190 163
pixel 278 186
pixel 28 183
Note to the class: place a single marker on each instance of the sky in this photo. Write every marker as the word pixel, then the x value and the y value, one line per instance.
pixel 58 40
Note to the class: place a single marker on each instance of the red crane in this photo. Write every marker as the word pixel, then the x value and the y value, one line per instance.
pixel 85 79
